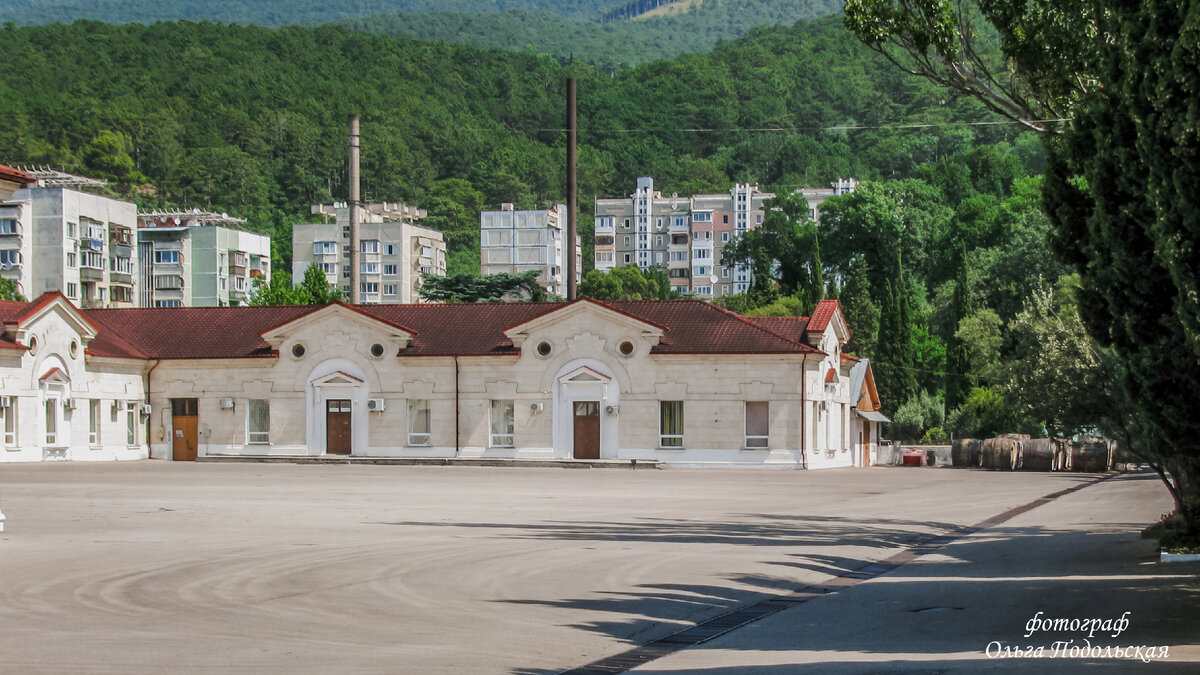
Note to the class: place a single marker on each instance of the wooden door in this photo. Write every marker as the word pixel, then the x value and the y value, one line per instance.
pixel 337 427
pixel 865 441
pixel 587 430
pixel 185 421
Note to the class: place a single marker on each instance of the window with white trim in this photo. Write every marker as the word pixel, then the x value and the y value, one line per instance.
pixel 389 249
pixel 502 423
pixel 325 248
pixel 758 423
pixel 670 424
pixel 51 421
pixel 391 289
pixel 369 246
pixel 10 421
pixel 258 421
pixel 94 421
pixel 166 257
pixel 418 422
pixel 391 270
pixel 131 427
pixel 369 268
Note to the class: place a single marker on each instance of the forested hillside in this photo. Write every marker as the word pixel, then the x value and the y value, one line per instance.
pixel 936 257
pixel 609 45
pixel 274 12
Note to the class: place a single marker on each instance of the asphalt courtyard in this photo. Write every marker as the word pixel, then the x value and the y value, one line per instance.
pixel 155 567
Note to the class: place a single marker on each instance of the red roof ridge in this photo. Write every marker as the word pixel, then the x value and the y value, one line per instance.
pixel 41 302
pixel 354 308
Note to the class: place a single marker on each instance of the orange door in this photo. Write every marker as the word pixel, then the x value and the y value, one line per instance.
pixel 337 427
pixel 587 430
pixel 184 445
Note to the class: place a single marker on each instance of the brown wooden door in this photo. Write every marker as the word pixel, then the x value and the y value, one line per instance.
pixel 183 448
pixel 587 430
pixel 337 427
pixel 185 420
pixel 865 441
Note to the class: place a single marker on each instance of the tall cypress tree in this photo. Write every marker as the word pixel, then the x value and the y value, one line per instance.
pixel 958 383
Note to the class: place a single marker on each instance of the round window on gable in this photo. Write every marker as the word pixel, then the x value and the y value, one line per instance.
pixel 626 348
pixel 544 349
pixel 33 344
pixel 297 350
pixel 377 350
pixel 74 348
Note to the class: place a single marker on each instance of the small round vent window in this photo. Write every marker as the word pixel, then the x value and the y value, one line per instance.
pixel 544 348
pixel 297 350
pixel 74 348
pixel 377 350
pixel 626 348
pixel 33 344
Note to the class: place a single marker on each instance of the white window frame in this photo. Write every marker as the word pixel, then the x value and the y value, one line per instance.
pixel 52 421
pixel 756 441
pixel 131 426
pixel 416 437
pixel 389 249
pixel 391 270
pixel 502 417
pixel 369 246
pixel 258 436
pixel 166 257
pixel 94 422
pixel 11 428
pixel 670 440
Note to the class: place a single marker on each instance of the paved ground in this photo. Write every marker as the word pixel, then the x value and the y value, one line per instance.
pixel 154 567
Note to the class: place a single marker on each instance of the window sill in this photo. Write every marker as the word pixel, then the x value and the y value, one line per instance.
pixel 95 448
pixel 676 448
pixel 749 449
pixel 419 445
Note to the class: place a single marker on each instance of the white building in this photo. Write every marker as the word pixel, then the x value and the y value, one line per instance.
pixel 394 254
pixel 515 242
pixel 54 237
pixel 681 382
pixel 198 259
pixel 685 235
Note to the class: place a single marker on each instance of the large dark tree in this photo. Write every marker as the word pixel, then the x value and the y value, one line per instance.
pixel 1121 180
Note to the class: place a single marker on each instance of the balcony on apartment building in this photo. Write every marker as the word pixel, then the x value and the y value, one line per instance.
pixel 679 224
pixel 91 266
pixel 168 282
pixel 91 296
pixel 10 227
pixel 120 269
pixel 238 263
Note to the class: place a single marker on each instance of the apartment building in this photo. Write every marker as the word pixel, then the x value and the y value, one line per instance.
pixel 198 259
pixel 686 235
pixel 394 253
pixel 514 242
pixel 56 237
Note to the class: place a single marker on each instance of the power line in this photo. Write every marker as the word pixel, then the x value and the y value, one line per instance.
pixel 861 127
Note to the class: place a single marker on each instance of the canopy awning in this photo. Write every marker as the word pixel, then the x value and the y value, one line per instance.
pixel 872 416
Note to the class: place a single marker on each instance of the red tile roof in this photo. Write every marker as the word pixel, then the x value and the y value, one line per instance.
pixel 790 327
pixel 15 175
pixel 822 315
pixel 689 327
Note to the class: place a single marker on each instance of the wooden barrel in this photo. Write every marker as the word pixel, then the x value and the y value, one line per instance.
pixel 1039 454
pixel 1089 457
pixel 965 452
pixel 1002 453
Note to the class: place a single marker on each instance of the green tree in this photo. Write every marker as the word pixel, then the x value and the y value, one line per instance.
pixel 784 250
pixel 489 288
pixel 8 291
pixel 626 283
pixel 862 312
pixel 315 289
pixel 107 157
pixel 277 290
pixel 979 335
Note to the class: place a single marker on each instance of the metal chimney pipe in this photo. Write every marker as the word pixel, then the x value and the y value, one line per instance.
pixel 355 287
pixel 572 189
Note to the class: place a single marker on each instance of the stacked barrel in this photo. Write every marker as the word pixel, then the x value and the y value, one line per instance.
pixel 1019 452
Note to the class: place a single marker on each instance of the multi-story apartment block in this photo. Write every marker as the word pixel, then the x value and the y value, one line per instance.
pixel 198 259
pixel 514 242
pixel 686 235
pixel 394 253
pixel 55 237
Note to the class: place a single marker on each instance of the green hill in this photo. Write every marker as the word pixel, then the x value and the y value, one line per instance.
pixel 611 44
pixel 272 13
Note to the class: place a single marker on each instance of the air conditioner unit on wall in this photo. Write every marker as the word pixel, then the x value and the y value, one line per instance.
pixel 376 404
pixel 68 403
pixel 147 409
pixel 225 403
pixel 537 407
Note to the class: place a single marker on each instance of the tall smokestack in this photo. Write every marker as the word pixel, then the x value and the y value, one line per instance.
pixel 572 189
pixel 355 287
